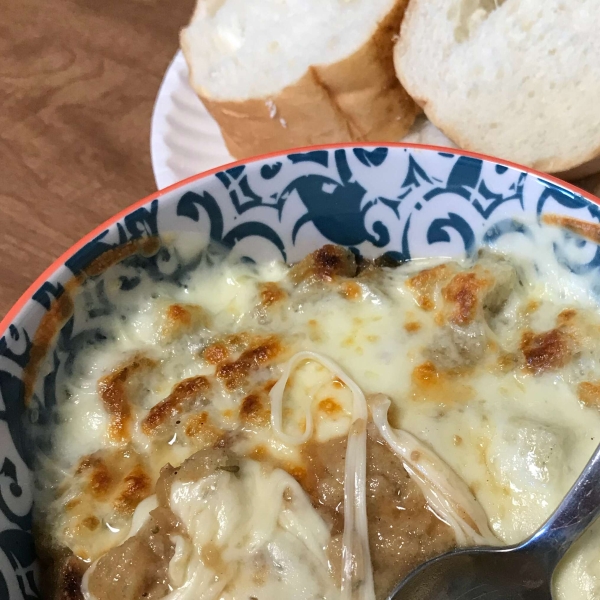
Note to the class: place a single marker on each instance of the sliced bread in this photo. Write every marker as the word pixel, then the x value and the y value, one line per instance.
pixel 517 79
pixel 277 74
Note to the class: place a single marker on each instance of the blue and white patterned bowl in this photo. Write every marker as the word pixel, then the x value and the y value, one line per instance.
pixel 409 201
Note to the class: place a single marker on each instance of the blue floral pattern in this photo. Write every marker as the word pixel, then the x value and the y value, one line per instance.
pixel 407 202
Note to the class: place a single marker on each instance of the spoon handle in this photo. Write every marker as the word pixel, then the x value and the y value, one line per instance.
pixel 578 510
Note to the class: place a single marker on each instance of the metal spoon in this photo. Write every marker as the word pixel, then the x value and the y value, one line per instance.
pixel 521 572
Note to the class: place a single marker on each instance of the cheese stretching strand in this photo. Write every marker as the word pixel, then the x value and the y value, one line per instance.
pixel 357 570
pixel 445 492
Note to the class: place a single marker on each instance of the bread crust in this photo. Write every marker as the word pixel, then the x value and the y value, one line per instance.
pixel 588 168
pixel 566 167
pixel 356 99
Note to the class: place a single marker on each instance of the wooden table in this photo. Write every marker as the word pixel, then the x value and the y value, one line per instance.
pixel 78 79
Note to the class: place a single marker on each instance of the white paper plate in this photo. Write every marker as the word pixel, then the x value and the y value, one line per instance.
pixel 185 139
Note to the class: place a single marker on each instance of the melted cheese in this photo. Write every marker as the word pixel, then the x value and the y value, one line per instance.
pixel 140 517
pixel 518 441
pixel 357 571
pixel 253 534
pixel 446 493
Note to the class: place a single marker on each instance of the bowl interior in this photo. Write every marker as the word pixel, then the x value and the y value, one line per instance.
pixel 408 202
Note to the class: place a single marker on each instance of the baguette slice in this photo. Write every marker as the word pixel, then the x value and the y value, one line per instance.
pixel 278 74
pixel 517 79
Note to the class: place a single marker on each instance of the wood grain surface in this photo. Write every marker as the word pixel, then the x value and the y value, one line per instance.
pixel 78 80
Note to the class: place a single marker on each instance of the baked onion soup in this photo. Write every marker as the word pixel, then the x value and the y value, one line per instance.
pixel 225 430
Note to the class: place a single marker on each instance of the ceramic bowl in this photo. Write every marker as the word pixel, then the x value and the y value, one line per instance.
pixel 408 201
